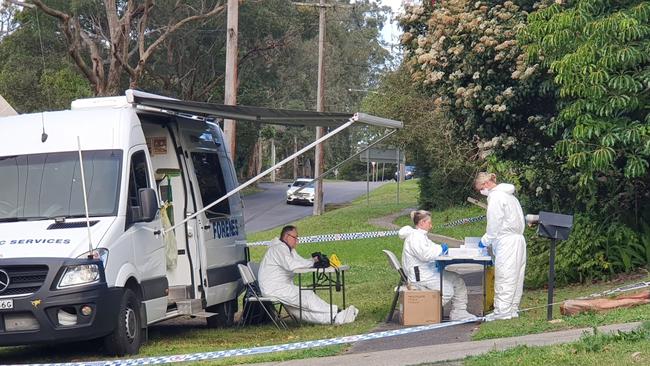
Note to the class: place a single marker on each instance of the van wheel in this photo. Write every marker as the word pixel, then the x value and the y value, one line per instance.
pixel 127 335
pixel 225 314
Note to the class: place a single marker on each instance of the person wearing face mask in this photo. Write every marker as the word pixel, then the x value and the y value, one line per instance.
pixel 504 233
pixel 418 261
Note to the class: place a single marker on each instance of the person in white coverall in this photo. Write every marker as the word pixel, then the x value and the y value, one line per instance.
pixel 420 252
pixel 276 275
pixel 504 233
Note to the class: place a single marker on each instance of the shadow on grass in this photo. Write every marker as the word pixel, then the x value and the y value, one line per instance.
pixel 63 352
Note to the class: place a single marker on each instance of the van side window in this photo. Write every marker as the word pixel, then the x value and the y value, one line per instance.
pixel 138 178
pixel 211 183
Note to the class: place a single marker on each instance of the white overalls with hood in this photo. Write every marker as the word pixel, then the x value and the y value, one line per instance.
pixel 420 252
pixel 275 278
pixel 504 232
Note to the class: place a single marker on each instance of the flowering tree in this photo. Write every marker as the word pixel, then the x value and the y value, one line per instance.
pixel 466 56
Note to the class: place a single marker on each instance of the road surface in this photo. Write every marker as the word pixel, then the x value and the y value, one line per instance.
pixel 268 209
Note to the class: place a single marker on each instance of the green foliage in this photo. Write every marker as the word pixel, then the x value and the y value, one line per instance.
pixel 596 249
pixel 441 160
pixel 35 73
pixel 598 53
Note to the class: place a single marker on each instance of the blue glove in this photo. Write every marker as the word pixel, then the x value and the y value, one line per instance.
pixel 481 245
pixel 445 248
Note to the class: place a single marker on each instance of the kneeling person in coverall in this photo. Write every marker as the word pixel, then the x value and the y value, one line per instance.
pixel 420 252
pixel 276 280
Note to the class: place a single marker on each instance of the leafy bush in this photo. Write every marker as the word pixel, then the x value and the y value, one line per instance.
pixel 596 249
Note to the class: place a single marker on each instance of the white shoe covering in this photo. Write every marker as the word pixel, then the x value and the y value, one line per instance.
pixel 460 315
pixel 347 315
pixel 492 316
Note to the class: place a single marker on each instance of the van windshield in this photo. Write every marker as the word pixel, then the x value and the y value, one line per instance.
pixel 41 186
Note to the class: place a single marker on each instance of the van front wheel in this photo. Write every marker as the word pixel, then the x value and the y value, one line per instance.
pixel 127 335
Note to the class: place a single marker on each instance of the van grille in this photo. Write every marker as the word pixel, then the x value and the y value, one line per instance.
pixel 24 280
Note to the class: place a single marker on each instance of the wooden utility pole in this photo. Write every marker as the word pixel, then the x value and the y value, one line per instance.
pixel 320 103
pixel 230 97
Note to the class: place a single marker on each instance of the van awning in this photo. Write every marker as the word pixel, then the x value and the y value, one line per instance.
pixel 255 114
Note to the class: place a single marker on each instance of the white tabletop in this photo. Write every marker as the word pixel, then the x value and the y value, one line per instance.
pixel 327 270
pixel 482 258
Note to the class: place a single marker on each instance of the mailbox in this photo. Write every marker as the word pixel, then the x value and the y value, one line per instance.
pixel 554 226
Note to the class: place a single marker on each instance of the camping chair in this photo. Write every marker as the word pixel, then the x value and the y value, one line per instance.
pixel 394 262
pixel 254 295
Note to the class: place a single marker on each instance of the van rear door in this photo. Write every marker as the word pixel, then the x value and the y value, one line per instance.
pixel 212 176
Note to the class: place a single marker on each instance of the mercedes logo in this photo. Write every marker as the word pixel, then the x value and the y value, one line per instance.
pixel 4 280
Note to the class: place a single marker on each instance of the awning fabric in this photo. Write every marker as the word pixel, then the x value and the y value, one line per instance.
pixel 256 114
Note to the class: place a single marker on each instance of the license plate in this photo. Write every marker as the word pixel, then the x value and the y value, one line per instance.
pixel 6 304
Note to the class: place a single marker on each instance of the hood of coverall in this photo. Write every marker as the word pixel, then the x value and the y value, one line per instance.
pixel 505 188
pixel 404 232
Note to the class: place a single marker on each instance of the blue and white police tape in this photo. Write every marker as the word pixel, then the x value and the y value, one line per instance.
pixel 334 237
pixel 467 220
pixel 204 356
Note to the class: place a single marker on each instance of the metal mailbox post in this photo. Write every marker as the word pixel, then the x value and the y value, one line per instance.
pixel 556 227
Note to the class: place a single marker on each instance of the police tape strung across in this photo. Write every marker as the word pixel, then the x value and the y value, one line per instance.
pixel 334 237
pixel 264 349
pixel 364 235
pixel 467 220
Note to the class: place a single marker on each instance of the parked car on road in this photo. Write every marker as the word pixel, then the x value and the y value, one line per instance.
pixel 305 195
pixel 409 172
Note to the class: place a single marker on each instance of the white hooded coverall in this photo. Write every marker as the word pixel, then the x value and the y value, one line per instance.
pixel 275 278
pixel 420 251
pixel 505 228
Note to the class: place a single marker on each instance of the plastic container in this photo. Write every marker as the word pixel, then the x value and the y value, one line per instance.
pixel 472 242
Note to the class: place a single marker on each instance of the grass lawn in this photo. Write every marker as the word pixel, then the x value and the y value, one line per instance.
pixel 369 286
pixel 534 321
pixel 632 348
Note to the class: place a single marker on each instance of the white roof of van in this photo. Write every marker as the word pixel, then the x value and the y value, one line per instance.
pixel 97 129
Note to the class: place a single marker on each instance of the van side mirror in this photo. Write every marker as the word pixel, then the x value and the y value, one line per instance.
pixel 148 204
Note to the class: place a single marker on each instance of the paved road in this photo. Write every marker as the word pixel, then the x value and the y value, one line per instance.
pixel 268 209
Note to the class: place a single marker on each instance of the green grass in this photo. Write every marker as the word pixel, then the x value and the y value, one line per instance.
pixel 630 348
pixel 369 283
pixel 369 286
pixel 534 321
pixel 455 213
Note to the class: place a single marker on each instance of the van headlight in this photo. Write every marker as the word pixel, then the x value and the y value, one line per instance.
pixel 81 274
pixel 99 253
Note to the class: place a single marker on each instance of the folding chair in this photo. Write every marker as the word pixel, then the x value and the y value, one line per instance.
pixel 394 262
pixel 250 282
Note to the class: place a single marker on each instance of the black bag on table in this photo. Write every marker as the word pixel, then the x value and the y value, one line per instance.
pixel 321 260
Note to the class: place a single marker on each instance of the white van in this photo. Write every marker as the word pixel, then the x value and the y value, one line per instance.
pixel 93 252
pixel 53 286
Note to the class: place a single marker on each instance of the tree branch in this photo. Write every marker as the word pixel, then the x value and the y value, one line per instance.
pixel 145 56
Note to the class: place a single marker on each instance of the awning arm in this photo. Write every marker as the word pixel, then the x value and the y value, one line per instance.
pixel 348 159
pixel 267 171
pixel 377 121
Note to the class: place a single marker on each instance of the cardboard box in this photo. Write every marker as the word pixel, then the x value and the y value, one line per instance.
pixel 419 307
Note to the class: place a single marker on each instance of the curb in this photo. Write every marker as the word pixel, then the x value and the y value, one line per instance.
pixel 452 351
